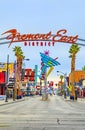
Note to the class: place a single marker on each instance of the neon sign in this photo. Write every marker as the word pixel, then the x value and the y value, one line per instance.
pixel 47 62
pixel 60 36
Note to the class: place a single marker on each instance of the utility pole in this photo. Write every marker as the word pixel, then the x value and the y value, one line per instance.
pixel 45 81
pixel 65 85
pixel 6 100
pixel 14 89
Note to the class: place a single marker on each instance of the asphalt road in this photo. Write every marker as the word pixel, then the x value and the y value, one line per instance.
pixel 35 114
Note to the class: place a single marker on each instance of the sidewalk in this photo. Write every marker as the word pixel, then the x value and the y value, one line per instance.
pixel 82 100
pixel 2 102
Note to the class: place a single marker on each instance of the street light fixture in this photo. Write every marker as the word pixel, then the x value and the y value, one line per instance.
pixel 60 72
pixel 24 63
pixel 65 82
pixel 27 59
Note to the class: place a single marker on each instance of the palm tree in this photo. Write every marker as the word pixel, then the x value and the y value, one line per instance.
pixel 74 49
pixel 83 68
pixel 19 55
pixel 61 77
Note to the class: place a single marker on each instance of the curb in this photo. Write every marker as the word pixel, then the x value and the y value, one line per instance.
pixel 78 100
pixel 16 101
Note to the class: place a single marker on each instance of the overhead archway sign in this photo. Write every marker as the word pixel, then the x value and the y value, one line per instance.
pixel 39 39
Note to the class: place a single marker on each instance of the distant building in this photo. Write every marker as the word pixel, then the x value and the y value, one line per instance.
pixel 3 76
pixel 27 75
pixel 77 77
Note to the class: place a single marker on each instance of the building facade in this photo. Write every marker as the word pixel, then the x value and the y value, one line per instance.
pixel 77 77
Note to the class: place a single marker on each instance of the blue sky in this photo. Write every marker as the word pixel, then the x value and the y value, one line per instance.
pixel 42 16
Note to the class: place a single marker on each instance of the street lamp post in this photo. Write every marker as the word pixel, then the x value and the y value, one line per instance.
pixel 14 89
pixel 23 68
pixel 23 64
pixel 6 100
pixel 65 83
pixel 45 82
pixel 40 87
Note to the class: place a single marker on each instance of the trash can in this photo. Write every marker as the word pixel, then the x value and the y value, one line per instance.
pixel 43 97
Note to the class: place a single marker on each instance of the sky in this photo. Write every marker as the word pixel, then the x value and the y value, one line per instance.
pixel 43 16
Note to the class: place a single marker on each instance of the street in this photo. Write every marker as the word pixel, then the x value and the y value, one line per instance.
pixel 35 114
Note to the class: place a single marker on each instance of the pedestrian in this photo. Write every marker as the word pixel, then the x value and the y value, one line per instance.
pixel 81 94
pixel 76 93
pixel 6 93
